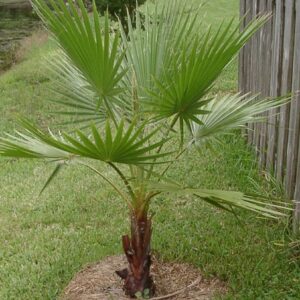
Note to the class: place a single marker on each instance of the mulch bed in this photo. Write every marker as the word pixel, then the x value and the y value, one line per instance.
pixel 173 281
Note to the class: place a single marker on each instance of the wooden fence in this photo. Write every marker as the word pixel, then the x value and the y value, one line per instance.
pixel 270 65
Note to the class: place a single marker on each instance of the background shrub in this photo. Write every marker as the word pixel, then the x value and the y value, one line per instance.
pixel 119 8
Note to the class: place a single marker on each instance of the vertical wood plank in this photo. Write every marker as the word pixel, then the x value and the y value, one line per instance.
pixel 266 74
pixel 287 70
pixel 297 184
pixel 248 19
pixel 294 124
pixel 241 75
pixel 247 55
pixel 275 83
pixel 262 6
pixel 252 67
pixel 296 223
pixel 243 56
pixel 257 75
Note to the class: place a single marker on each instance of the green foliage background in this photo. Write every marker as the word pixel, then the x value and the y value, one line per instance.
pixel 118 7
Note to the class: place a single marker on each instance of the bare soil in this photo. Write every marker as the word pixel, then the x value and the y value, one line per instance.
pixel 173 281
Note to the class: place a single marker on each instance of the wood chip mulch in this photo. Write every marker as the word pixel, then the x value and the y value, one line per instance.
pixel 174 281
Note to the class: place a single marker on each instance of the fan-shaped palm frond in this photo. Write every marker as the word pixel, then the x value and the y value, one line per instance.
pixel 72 90
pixel 92 48
pixel 153 46
pixel 125 145
pixel 226 200
pixel 231 112
pixel 229 199
pixel 183 88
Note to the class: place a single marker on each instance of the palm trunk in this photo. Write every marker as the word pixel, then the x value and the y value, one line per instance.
pixel 137 278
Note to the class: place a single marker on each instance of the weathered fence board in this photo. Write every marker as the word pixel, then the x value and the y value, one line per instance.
pixel 251 60
pixel 293 141
pixel 275 82
pixel 270 66
pixel 297 196
pixel 242 54
pixel 286 80
pixel 266 66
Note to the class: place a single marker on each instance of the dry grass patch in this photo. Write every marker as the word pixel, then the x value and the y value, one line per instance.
pixel 35 40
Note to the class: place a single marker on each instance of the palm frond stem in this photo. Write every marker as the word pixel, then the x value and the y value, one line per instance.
pixel 147 200
pixel 175 119
pixel 124 179
pixel 171 163
pixel 110 183
pixel 110 112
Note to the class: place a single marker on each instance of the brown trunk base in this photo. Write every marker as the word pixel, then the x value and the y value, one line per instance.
pixel 133 286
pixel 137 278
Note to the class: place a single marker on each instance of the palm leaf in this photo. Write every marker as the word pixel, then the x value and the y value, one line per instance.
pixel 154 44
pixel 182 90
pixel 226 200
pixel 231 112
pixel 88 45
pixel 81 103
pixel 123 145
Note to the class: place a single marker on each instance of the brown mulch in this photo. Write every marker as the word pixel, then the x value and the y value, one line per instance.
pixel 174 281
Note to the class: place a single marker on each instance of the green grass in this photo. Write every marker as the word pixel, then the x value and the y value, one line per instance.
pixel 12 1
pixel 45 240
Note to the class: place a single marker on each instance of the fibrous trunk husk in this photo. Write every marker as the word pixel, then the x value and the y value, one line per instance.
pixel 137 278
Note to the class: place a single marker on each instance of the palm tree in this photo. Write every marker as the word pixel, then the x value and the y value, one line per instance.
pixel 138 102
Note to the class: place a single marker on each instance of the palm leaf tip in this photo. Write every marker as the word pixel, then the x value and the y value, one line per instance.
pixel 30 146
pixel 52 176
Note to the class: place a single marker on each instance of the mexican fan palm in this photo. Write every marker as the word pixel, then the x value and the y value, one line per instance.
pixel 138 100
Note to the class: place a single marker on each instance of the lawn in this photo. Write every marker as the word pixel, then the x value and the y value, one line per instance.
pixel 46 239
pixel 4 2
